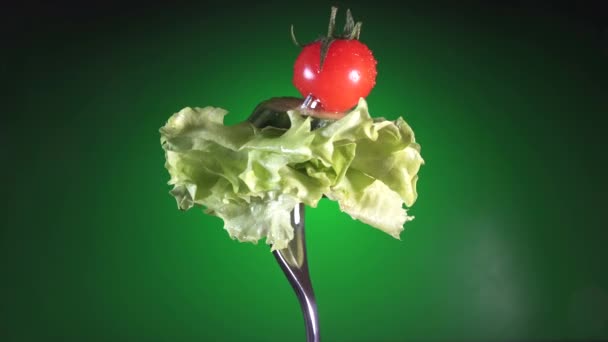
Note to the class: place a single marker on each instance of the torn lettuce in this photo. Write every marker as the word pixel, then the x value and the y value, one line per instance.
pixel 252 178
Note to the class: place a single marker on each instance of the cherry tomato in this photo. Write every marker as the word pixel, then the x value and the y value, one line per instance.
pixel 348 73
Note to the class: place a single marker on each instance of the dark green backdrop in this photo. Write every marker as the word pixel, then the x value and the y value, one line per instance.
pixel 509 240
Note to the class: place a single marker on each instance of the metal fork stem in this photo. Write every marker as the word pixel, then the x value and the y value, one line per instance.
pixel 294 264
pixel 273 112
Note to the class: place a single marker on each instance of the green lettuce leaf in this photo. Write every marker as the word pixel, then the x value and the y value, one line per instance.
pixel 252 178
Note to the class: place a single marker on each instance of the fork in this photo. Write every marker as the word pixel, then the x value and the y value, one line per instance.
pixel 292 259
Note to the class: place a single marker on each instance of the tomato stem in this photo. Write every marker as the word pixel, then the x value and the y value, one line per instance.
pixel 356 31
pixel 293 37
pixel 350 22
pixel 351 31
pixel 332 21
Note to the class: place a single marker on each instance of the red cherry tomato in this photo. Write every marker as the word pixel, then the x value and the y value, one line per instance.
pixel 348 73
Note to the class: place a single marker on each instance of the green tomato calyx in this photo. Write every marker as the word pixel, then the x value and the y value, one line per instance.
pixel 352 30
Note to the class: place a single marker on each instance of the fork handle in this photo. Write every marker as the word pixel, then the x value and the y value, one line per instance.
pixel 295 266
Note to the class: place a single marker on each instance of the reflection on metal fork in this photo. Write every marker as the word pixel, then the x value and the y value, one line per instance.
pixel 294 264
pixel 310 102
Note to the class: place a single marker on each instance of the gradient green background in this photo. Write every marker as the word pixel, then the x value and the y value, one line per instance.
pixel 509 240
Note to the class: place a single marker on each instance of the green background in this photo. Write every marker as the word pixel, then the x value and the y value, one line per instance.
pixel 509 240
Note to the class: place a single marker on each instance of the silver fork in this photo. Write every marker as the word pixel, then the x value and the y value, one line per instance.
pixel 294 264
pixel 293 259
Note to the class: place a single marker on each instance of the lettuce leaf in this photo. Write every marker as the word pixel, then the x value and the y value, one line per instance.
pixel 252 178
